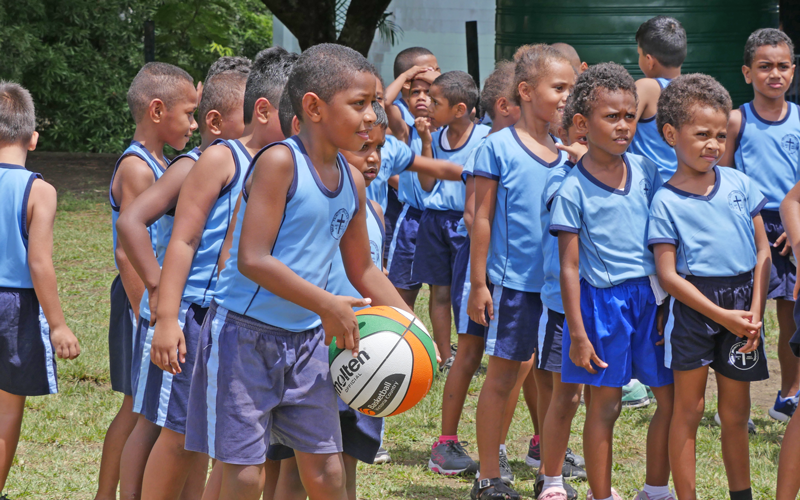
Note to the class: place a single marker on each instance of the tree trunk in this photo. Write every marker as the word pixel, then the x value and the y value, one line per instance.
pixel 311 21
pixel 359 27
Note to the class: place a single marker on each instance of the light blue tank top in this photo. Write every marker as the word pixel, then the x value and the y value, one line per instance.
pixel 648 142
pixel 314 218
pixel 338 284
pixel 396 157
pixel 409 189
pixel 449 195
pixel 769 152
pixel 15 187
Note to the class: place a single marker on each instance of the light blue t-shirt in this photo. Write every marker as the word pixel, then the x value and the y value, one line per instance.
pixel 649 143
pixel 466 176
pixel 314 220
pixel 449 195
pixel 769 152
pixel 714 234
pixel 15 189
pixel 551 291
pixel 396 157
pixel 409 190
pixel 611 223
pixel 403 106
pixel 515 258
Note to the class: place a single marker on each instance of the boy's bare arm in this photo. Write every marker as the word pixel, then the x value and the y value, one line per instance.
pixel 762 270
pixel 227 243
pixel 649 91
pixel 41 214
pixel 438 169
pixel 423 127
pixel 469 204
pixel 480 300
pixel 734 125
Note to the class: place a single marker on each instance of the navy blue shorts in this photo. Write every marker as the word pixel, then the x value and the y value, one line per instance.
pixel 254 385
pixel 393 209
pixel 27 361
pixel 438 242
pixel 459 294
pixel 794 342
pixel 121 325
pixel 401 251
pixel 361 436
pixel 142 335
pixel 512 334
pixel 693 340
pixel 548 352
pixel 162 397
pixel 783 274
pixel 620 322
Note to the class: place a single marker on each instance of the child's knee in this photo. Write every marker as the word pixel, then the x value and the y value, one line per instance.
pixel 564 404
pixel 734 415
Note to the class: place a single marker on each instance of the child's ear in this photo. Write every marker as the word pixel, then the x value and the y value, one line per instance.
pixel 33 141
pixel 261 111
pixel 461 110
pixel 581 124
pixel 651 62
pixel 525 91
pixel 746 73
pixel 584 66
pixel 501 106
pixel 295 125
pixel 670 134
pixel 214 122
pixel 312 107
pixel 156 110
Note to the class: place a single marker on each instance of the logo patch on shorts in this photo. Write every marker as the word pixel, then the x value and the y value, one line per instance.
pixel 737 201
pixel 790 143
pixel 339 223
pixel 646 188
pixel 742 361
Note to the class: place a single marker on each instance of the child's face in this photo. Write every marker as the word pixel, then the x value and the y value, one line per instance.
pixel 612 122
pixel 441 112
pixel 571 135
pixel 349 113
pixel 178 123
pixel 700 143
pixel 418 98
pixel 368 159
pixel 550 94
pixel 772 70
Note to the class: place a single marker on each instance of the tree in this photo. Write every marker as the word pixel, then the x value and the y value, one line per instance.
pixel 316 21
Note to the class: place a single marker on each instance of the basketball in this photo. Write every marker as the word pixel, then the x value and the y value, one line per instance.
pixel 395 366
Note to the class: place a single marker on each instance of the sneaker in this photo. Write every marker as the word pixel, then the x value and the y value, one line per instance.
pixel 448 363
pixel 572 494
pixel 534 458
pixel 570 471
pixel 505 470
pixel 575 459
pixel 450 459
pixel 614 495
pixel 751 426
pixel 634 395
pixel 492 489
pixel 641 495
pixel 783 408
pixel 553 493
pixel 382 457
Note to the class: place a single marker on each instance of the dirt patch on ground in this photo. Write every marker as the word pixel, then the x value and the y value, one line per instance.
pixel 79 173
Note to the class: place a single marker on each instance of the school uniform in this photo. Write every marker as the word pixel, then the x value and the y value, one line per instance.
pixel 715 245
pixel 515 261
pixel 617 302
pixel 263 374
pixel 361 434
pixel 123 320
pixel 647 142
pixel 27 362
pixel 551 328
pixel 402 105
pixel 437 240
pixel 769 153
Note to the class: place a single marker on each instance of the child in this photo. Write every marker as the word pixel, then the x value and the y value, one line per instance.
pixel 610 307
pixel 162 99
pixel 767 141
pixel 698 220
pixel 264 377
pixel 447 453
pixel 161 397
pixel 403 62
pixel 662 48
pixel 571 54
pixel 32 324
pixel 453 97
pixel 510 169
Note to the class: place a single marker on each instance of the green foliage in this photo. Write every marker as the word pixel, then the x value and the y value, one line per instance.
pixel 78 57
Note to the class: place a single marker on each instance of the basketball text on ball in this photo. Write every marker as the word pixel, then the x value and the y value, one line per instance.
pixel 381 399
pixel 348 370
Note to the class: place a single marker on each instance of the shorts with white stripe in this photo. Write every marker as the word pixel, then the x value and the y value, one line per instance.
pixel 27 364
pixel 548 352
pixel 402 249
pixel 513 333
pixel 459 294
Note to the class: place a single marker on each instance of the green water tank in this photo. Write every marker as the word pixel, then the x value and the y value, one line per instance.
pixel 604 30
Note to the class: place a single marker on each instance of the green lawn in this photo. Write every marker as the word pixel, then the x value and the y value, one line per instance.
pixel 59 453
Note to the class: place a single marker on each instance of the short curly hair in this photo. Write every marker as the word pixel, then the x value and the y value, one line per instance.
pixel 532 62
pixel 608 77
pixel 499 84
pixel 684 93
pixel 762 37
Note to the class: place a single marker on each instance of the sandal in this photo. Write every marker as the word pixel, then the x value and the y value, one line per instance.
pixel 492 489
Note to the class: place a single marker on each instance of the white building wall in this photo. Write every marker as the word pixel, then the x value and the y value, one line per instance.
pixel 435 24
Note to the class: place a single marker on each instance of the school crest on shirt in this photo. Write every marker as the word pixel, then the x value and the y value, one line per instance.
pixel 339 223
pixel 646 188
pixel 737 202
pixel 742 361
pixel 790 143
pixel 375 251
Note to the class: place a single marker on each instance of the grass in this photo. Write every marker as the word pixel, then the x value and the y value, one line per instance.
pixel 62 435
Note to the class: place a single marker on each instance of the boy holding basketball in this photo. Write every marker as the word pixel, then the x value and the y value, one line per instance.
pixel 263 340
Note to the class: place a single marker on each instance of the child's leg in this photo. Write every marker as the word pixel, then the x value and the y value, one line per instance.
pixel 658 437
pixel 790 364
pixel 789 463
pixel 214 482
pixel 558 421
pixel 134 458
pixel 242 482
pixel 598 436
pixel 734 411
pixel 350 466
pixel 11 409
pixel 409 296
pixel 501 376
pixel 171 469
pixel 531 393
pixel 323 475
pixel 511 405
pixel 439 307
pixel 114 442
pixel 283 480
pixel 458 379
pixel 690 388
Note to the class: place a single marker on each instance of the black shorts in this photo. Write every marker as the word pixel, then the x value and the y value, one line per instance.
pixel 120 339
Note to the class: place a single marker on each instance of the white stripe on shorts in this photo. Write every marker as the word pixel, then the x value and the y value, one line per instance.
pixel 44 331
pixel 144 367
pixel 166 377
pixel 392 247
pixel 491 335
pixel 542 332
pixel 668 334
pixel 463 317
pixel 212 373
